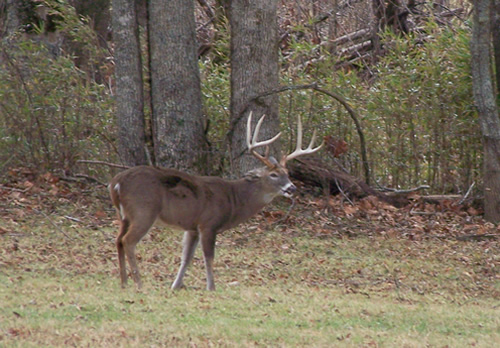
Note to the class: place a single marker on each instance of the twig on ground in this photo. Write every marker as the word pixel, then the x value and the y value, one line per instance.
pixel 78 177
pixel 52 223
pixel 6 162
pixel 342 192
pixel 414 212
pixel 421 187
pixel 72 218
pixel 478 237
pixel 90 178
pixel 467 193
pixel 15 189
pixel 288 212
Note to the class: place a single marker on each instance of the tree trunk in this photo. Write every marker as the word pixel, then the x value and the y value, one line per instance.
pixel 129 84
pixel 254 70
pixel 496 44
pixel 12 17
pixel 178 124
pixel 484 95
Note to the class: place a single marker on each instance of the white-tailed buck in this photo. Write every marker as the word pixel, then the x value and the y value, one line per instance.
pixel 201 205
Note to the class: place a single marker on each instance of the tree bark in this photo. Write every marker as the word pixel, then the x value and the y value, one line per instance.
pixel 496 44
pixel 178 123
pixel 129 84
pixel 12 17
pixel 254 70
pixel 484 95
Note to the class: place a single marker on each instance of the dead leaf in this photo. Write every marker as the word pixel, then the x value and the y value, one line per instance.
pixel 100 214
pixel 350 210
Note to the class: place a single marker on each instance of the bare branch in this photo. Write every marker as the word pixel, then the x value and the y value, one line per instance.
pixel 113 165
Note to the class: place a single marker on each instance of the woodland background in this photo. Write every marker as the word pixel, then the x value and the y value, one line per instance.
pixel 388 84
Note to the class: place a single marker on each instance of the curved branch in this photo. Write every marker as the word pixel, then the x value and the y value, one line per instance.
pixel 345 104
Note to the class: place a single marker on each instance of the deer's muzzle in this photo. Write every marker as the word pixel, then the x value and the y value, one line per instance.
pixel 288 190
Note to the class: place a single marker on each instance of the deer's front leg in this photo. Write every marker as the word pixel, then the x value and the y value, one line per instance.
pixel 189 244
pixel 208 245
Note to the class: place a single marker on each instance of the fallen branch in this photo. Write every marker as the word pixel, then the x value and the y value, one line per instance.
pixel 342 192
pixel 351 37
pixel 436 199
pixel 16 189
pixel 467 193
pixel 421 187
pixel 90 178
pixel 355 49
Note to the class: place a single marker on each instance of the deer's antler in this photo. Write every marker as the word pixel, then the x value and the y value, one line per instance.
pixel 298 150
pixel 253 144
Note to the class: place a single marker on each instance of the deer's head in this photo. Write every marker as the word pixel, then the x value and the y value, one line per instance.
pixel 274 176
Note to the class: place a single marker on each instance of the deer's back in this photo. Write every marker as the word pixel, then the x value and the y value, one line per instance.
pixel 174 197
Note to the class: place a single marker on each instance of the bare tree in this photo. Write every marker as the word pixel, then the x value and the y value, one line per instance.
pixel 254 70
pixel 496 42
pixel 178 123
pixel 129 83
pixel 485 97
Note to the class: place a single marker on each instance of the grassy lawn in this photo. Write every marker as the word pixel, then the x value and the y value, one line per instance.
pixel 306 282
pixel 329 274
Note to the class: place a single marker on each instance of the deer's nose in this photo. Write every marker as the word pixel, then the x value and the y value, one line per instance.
pixel 289 189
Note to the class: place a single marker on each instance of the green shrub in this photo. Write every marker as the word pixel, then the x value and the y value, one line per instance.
pixel 416 109
pixel 53 113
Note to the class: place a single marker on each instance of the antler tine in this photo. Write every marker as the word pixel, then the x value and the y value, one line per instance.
pixel 253 144
pixel 249 130
pixel 257 129
pixel 298 150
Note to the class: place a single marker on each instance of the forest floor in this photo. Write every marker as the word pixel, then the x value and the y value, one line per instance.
pixel 328 272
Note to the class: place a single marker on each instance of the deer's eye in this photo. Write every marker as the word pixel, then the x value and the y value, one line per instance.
pixel 274 175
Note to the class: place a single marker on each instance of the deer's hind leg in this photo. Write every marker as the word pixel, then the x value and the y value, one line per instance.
pixel 124 225
pixel 137 229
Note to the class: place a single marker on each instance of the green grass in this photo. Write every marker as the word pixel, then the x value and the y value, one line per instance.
pixel 277 285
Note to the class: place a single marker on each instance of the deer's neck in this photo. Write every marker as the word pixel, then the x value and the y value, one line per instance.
pixel 250 198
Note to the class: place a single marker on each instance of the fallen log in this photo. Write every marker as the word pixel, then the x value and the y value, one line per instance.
pixel 314 172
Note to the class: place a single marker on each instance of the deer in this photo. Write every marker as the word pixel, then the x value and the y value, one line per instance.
pixel 202 206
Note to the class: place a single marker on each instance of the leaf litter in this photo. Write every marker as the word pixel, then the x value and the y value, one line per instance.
pixel 363 246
